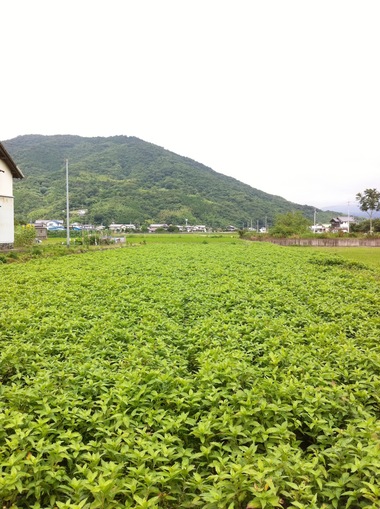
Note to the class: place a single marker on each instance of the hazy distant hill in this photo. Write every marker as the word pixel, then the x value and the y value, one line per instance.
pixel 352 208
pixel 127 180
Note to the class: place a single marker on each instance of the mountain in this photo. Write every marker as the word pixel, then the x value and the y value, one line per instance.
pixel 127 180
pixel 352 208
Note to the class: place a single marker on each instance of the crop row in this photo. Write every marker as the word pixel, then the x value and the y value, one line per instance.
pixel 220 375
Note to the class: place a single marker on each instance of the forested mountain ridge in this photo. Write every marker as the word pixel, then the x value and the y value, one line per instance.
pixel 127 180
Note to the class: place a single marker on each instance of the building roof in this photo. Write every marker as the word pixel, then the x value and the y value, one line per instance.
pixel 4 156
pixel 345 219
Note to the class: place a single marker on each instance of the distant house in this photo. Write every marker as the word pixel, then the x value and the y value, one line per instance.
pixel 154 227
pixel 118 227
pixel 49 224
pixel 8 172
pixel 320 227
pixel 199 228
pixel 341 223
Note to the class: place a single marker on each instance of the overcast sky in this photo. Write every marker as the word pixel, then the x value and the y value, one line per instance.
pixel 283 95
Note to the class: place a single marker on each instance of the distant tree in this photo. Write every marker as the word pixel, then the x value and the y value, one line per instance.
pixel 364 226
pixel 176 216
pixel 291 223
pixel 369 201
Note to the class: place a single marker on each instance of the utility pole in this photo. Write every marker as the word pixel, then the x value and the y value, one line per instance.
pixel 67 205
pixel 348 216
pixel 315 219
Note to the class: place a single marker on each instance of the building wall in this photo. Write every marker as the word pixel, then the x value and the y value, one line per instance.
pixel 6 205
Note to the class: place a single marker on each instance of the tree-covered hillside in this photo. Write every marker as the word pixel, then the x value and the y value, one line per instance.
pixel 127 180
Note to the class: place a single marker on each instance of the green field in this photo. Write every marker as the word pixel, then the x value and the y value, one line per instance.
pixel 190 371
pixel 369 256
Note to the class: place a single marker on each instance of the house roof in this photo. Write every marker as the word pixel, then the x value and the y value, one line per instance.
pixel 4 156
pixel 344 219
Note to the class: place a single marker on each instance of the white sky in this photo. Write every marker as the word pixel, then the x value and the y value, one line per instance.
pixel 283 95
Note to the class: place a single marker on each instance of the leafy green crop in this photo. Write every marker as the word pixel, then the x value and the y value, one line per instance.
pixel 183 375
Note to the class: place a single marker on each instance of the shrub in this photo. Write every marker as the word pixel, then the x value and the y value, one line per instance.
pixel 289 224
pixel 91 239
pixel 25 235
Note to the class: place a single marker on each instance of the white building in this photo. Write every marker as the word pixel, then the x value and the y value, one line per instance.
pixel 118 227
pixel 342 223
pixel 199 228
pixel 154 227
pixel 320 228
pixel 8 172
